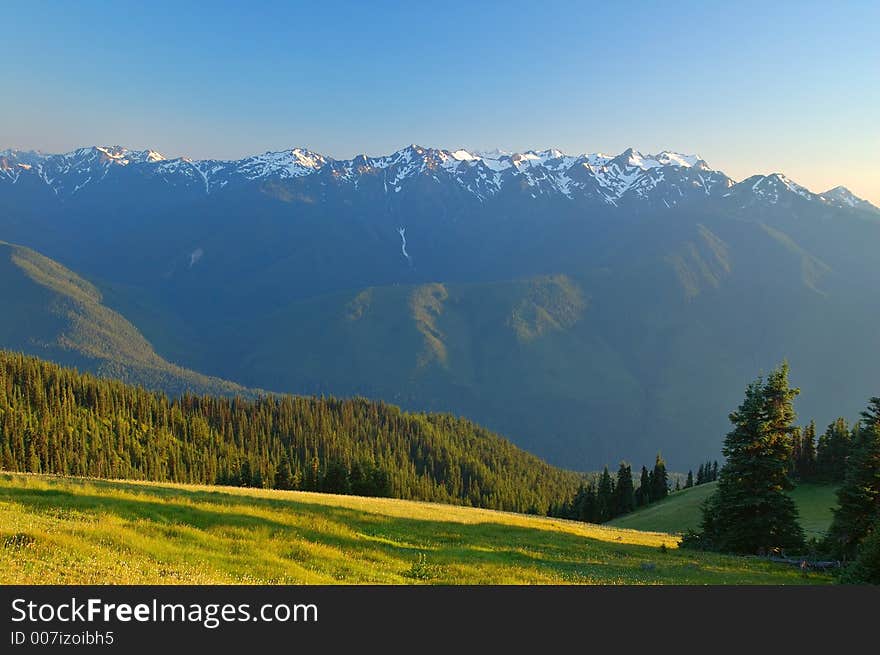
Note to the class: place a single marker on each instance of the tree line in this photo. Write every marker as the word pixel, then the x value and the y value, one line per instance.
pixel 56 420
pixel 707 472
pixel 603 497
pixel 823 460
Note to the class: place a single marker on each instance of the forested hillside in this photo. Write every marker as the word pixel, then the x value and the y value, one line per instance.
pixel 57 420
pixel 50 311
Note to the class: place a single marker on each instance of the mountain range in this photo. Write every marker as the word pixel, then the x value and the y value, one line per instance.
pixel 589 307
pixel 666 177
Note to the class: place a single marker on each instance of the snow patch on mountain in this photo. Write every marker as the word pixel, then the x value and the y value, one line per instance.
pixel 663 178
pixel 772 187
pixel 195 256
pixel 286 163
pixel 402 232
pixel 840 196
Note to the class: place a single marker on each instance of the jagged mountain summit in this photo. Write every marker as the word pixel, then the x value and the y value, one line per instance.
pixel 663 179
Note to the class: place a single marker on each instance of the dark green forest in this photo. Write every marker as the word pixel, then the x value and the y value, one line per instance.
pixel 57 420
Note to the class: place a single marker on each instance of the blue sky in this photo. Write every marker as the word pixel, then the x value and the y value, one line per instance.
pixel 793 87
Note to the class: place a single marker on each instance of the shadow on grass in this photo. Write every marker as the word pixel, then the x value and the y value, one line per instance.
pixel 441 543
pixel 131 509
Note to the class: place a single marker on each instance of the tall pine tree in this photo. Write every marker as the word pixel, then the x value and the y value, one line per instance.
pixel 750 511
pixel 832 451
pixel 624 491
pixel 605 498
pixel 643 493
pixel 806 468
pixel 659 480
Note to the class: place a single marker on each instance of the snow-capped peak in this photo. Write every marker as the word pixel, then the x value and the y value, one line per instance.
pixel 634 159
pixel 295 162
pixel 118 155
pixel 780 178
pixel 464 155
pixel 153 156
pixel 667 158
pixel 494 153
pixel 840 196
pixel 843 195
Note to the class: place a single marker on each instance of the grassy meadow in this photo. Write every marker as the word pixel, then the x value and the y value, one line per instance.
pixel 675 514
pixel 680 511
pixel 68 530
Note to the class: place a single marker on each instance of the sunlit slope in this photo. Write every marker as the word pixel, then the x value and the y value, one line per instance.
pixel 678 512
pixel 681 511
pixel 57 530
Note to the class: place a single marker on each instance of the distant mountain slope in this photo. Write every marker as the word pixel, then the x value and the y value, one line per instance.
pixel 590 307
pixel 511 353
pixel 51 312
pixel 602 362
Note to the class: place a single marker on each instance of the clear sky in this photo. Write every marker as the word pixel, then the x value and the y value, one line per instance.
pixel 752 87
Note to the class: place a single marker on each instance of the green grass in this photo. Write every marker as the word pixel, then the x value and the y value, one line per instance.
pixel 675 514
pixel 681 511
pixel 815 503
pixel 63 530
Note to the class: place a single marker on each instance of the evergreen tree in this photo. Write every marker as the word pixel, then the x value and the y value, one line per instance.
pixel 750 511
pixel 690 480
pixel 859 498
pixel 832 451
pixel 605 498
pixel 379 483
pixel 284 475
pixel 659 480
pixel 796 454
pixel 643 493
pixel 807 465
pixel 313 475
pixel 357 480
pixel 624 491
pixel 335 480
pixel 589 511
pixel 701 474
pixel 245 477
pixel 866 568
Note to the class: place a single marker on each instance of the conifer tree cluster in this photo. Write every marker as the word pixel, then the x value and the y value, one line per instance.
pixel 707 472
pixel 608 497
pixel 823 460
pixel 55 420
pixel 833 450
pixel 750 511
